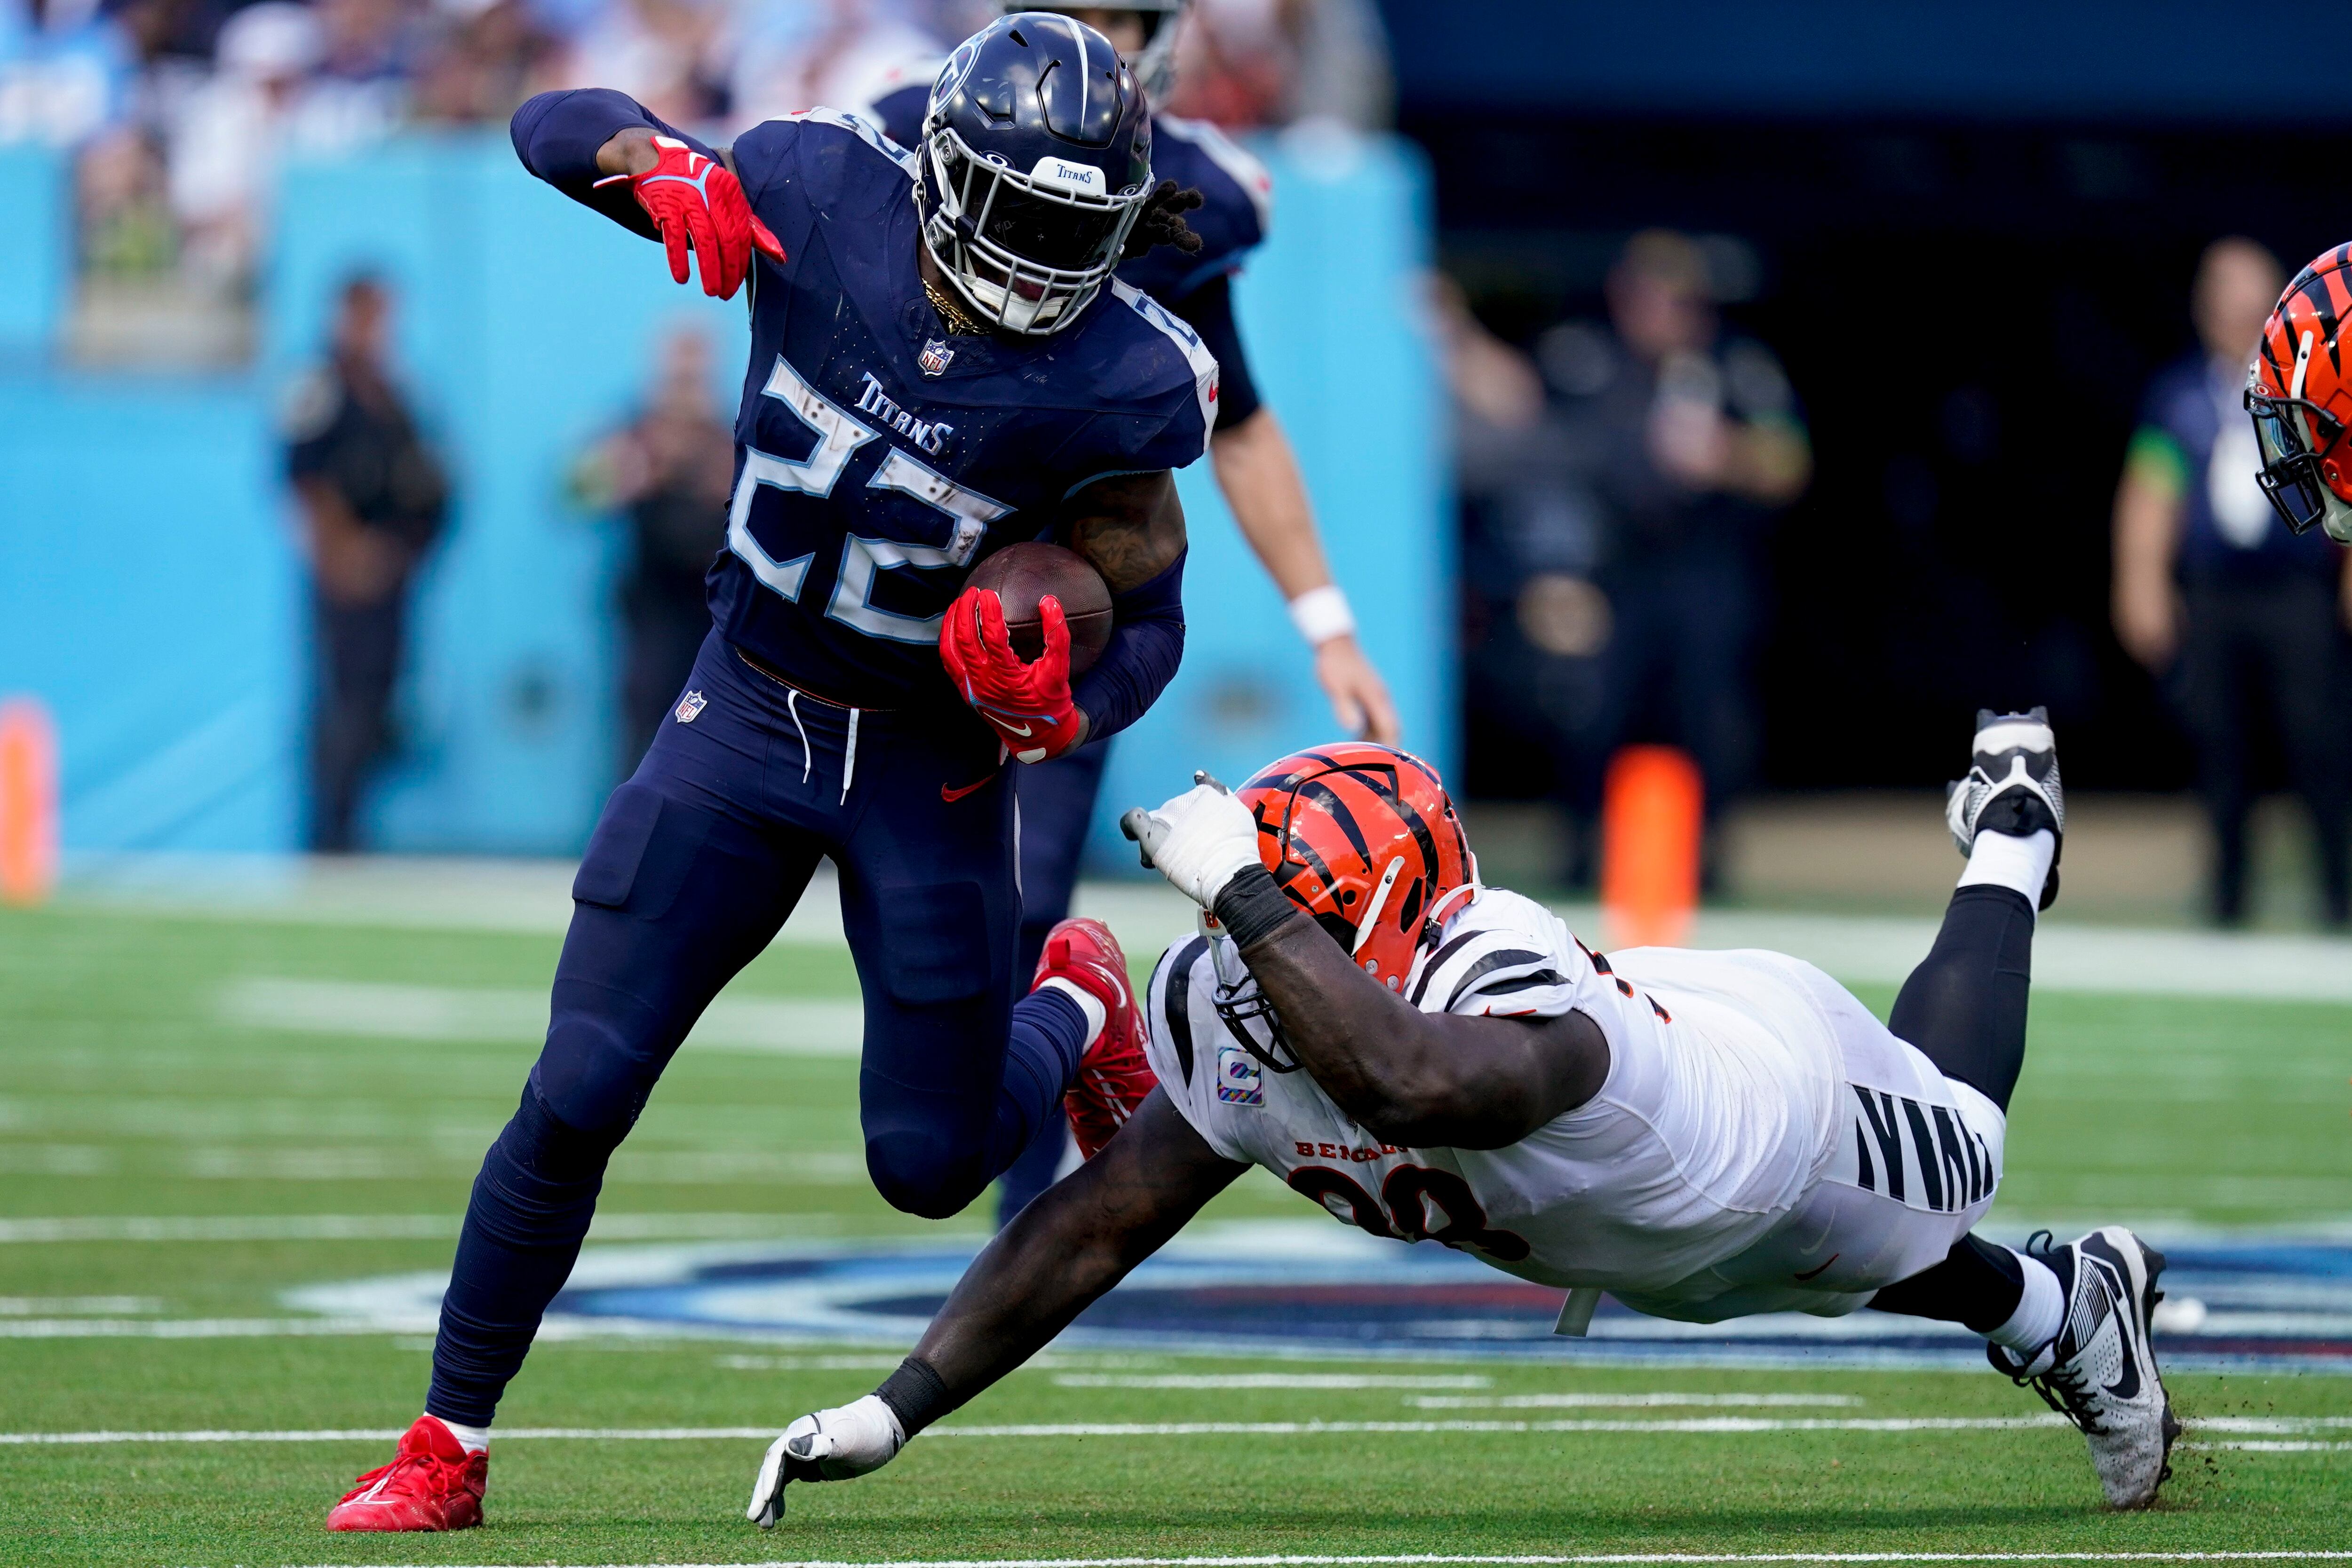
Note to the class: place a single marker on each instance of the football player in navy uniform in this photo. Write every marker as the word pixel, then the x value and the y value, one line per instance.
pixel 941 364
pixel 1251 455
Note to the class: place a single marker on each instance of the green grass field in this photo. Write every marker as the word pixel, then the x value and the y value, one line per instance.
pixel 125 1091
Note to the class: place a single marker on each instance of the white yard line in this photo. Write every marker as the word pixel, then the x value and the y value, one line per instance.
pixel 684 1226
pixel 1723 1424
pixel 517 1015
pixel 198 1328
pixel 1271 1380
pixel 1532 1561
pixel 2278 1425
pixel 45 1306
pixel 1580 1401
pixel 1703 1424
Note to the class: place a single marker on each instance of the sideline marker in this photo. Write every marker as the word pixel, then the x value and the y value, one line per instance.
pixel 28 802
pixel 1650 820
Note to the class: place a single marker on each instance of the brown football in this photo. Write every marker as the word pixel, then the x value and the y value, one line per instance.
pixel 1023 574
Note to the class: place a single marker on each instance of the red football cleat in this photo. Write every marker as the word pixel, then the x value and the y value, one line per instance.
pixel 1114 1076
pixel 432 1483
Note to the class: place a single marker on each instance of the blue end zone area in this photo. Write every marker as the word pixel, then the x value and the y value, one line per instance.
pixel 1292 1289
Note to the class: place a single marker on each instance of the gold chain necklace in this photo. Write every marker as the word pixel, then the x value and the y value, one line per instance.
pixel 958 320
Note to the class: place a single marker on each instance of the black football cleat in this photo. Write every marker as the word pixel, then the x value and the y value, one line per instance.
pixel 2100 1373
pixel 2012 786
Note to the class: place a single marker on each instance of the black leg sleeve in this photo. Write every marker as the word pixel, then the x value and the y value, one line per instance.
pixel 1976 1285
pixel 1964 1006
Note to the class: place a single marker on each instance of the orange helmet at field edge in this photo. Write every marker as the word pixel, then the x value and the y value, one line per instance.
pixel 2301 402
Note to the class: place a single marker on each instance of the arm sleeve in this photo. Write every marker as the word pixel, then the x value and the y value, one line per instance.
pixel 1147 644
pixel 557 134
pixel 1209 311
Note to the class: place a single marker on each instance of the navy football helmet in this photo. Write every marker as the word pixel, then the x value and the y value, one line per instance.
pixel 1035 163
pixel 1155 63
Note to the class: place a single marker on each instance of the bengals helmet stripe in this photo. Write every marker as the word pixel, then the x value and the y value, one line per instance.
pixel 1363 839
pixel 1400 802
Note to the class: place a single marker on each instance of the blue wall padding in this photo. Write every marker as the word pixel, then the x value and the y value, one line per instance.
pixel 149 594
pixel 36 249
pixel 529 326
pixel 150 591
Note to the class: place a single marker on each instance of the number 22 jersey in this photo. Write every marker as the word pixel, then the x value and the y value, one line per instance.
pixel 879 457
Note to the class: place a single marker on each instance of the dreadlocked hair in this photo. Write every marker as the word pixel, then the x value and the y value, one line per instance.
pixel 1162 221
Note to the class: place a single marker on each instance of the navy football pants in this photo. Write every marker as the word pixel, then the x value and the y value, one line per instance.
pixel 1057 803
pixel 694 865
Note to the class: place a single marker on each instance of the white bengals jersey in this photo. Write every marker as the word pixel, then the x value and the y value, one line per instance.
pixel 1760 1142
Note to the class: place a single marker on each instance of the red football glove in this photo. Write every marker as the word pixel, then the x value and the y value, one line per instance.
pixel 694 202
pixel 1028 705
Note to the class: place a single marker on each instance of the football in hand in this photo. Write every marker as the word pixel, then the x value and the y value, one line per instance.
pixel 1023 574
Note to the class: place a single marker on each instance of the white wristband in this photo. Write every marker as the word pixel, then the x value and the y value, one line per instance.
pixel 1321 614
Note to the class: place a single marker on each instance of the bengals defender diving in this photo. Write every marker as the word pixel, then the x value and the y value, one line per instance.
pixel 1703 1134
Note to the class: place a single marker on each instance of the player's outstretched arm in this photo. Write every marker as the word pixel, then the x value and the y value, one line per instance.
pixel 606 150
pixel 1415 1079
pixel 1072 1244
pixel 1426 1080
pixel 1066 1249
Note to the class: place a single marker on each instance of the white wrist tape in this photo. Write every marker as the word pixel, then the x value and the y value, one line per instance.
pixel 1321 614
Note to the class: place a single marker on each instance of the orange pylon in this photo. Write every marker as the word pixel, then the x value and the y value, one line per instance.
pixel 1651 815
pixel 28 802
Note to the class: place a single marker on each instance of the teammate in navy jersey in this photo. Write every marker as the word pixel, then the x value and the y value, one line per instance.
pixel 1251 457
pixel 941 364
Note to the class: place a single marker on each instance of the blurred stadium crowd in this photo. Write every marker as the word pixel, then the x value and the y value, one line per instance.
pixel 179 111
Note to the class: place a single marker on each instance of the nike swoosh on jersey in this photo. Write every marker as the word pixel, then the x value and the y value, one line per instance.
pixel 1816 1273
pixel 951 795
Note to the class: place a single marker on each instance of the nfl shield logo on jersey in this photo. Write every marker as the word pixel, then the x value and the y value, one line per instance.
pixel 1238 1079
pixel 688 706
pixel 935 356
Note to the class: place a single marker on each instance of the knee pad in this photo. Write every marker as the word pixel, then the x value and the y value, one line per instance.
pixel 916 1174
pixel 554 1150
pixel 591 1076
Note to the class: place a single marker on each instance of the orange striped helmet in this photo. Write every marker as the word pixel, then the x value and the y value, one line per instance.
pixel 1364 840
pixel 2301 402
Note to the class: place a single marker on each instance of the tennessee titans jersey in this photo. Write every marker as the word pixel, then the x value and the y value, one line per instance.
pixel 1236 193
pixel 879 458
